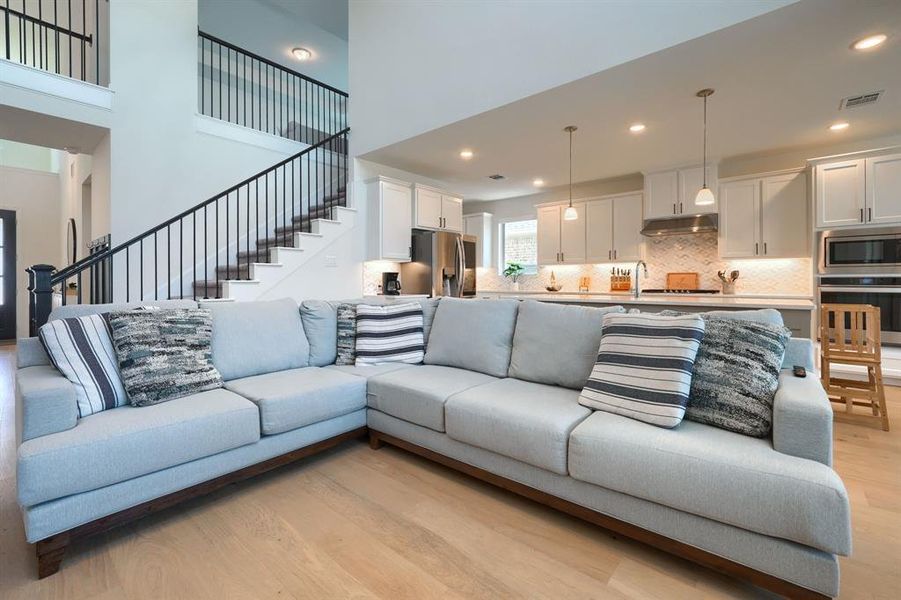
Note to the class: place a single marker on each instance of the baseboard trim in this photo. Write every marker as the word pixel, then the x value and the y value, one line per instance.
pixel 695 555
pixel 50 551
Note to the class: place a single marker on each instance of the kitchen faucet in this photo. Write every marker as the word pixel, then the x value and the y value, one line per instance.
pixel 644 266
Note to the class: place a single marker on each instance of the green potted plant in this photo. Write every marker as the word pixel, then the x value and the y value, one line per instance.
pixel 513 271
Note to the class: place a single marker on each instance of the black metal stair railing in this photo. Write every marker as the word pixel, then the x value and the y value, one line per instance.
pixel 247 89
pixel 191 254
pixel 59 36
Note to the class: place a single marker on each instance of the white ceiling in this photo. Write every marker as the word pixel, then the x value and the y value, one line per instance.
pixel 779 79
pixel 330 15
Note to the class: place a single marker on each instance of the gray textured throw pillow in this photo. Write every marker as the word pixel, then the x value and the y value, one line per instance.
pixel 164 354
pixel 735 376
pixel 347 334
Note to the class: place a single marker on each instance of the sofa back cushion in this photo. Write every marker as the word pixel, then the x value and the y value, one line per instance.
pixel 252 338
pixel 557 344
pixel 320 326
pixel 473 334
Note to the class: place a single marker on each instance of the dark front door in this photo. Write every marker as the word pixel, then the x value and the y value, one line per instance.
pixel 7 275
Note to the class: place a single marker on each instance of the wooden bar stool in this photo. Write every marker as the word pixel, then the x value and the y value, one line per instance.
pixel 849 335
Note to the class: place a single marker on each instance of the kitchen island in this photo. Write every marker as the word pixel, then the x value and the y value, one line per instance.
pixel 797 311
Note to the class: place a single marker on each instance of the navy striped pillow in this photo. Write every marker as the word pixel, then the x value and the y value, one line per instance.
pixel 81 349
pixel 644 366
pixel 389 333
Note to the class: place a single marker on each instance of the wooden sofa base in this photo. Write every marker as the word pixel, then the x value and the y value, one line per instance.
pixel 696 555
pixel 50 551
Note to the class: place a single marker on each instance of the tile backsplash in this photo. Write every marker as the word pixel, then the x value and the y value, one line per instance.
pixel 677 253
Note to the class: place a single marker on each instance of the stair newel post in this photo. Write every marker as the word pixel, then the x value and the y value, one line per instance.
pixel 40 296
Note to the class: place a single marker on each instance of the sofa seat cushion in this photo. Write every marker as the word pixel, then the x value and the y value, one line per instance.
pixel 126 442
pixel 299 397
pixel 418 394
pixel 721 475
pixel 368 371
pixel 530 422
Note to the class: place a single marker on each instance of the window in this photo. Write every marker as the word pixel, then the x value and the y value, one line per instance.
pixel 519 244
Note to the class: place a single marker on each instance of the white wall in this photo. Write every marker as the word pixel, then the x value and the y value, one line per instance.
pixel 415 66
pixel 34 195
pixel 272 33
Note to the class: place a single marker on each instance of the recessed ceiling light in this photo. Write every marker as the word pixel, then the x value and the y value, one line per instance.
pixel 839 126
pixel 302 54
pixel 870 41
pixel 538 182
pixel 636 127
pixel 466 154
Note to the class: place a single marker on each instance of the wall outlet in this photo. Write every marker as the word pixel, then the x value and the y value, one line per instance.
pixel 331 260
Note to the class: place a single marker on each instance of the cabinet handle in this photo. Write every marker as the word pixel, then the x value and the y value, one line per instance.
pixel 562 257
pixel 756 248
pixel 764 247
pixel 680 208
pixel 861 215
pixel 609 254
pixel 870 214
pixel 614 254
pixel 674 208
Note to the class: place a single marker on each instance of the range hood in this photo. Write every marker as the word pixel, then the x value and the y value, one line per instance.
pixel 680 225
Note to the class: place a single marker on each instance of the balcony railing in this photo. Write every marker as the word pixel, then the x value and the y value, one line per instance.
pixel 59 36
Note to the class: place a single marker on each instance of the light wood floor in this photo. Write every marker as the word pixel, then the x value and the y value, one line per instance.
pixel 359 523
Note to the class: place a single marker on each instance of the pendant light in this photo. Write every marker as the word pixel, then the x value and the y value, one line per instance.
pixel 570 214
pixel 705 196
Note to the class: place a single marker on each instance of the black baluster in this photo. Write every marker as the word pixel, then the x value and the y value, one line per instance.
pixel 141 270
pixel 84 31
pixel 169 260
pixel 97 40
pixel 156 270
pixel 206 275
pixel 56 32
pixel 247 224
pixel 217 238
pixel 69 35
pixel 194 245
pixel 181 263
pixel 127 273
pixel 228 272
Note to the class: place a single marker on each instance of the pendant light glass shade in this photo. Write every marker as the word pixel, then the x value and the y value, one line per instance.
pixel 704 196
pixel 570 214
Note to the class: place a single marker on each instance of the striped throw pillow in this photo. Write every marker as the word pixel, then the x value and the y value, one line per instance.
pixel 389 333
pixel 82 350
pixel 644 367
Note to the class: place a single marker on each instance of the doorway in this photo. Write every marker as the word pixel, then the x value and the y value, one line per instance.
pixel 7 275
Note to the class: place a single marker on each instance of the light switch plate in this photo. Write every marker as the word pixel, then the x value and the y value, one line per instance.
pixel 331 260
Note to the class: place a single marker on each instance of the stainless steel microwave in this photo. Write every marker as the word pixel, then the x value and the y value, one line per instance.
pixel 860 251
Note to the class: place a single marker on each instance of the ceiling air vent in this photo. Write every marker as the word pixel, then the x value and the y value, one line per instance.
pixel 860 100
pixel 496 177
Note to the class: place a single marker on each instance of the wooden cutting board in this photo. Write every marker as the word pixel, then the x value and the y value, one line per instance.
pixel 682 281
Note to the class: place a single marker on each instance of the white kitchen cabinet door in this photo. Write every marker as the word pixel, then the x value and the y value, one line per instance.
pixel 452 213
pixel 840 193
pixel 549 235
pixel 783 216
pixel 572 236
pixel 627 224
pixel 738 220
pixel 883 189
pixel 690 182
pixel 480 226
pixel 661 194
pixel 395 215
pixel 427 209
pixel 599 231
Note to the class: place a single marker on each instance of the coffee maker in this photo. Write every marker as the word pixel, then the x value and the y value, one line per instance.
pixel 390 284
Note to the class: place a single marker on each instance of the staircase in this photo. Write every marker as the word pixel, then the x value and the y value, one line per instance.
pixel 248 238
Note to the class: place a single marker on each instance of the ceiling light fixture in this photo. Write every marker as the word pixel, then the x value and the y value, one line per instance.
pixel 839 126
pixel 705 196
pixel 570 214
pixel 302 54
pixel 871 41
pixel 637 128
pixel 538 182
pixel 466 154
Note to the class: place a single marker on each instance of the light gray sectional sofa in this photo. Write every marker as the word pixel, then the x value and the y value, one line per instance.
pixel 497 398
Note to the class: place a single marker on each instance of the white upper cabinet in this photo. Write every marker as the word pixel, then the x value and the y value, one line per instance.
pixel 435 210
pixel 840 193
pixel 548 235
pixel 764 217
pixel 672 193
pixel 561 242
pixel 390 204
pixel 784 226
pixel 452 213
pixel 883 189
pixel 599 229
pixel 480 226
pixel 613 229
pixel 738 222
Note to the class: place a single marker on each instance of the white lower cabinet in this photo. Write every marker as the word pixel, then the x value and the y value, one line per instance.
pixel 764 217
pixel 613 229
pixel 390 205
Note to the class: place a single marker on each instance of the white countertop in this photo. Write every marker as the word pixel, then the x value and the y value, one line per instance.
pixel 706 300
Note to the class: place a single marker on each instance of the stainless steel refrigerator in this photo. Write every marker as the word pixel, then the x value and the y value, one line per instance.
pixel 444 264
